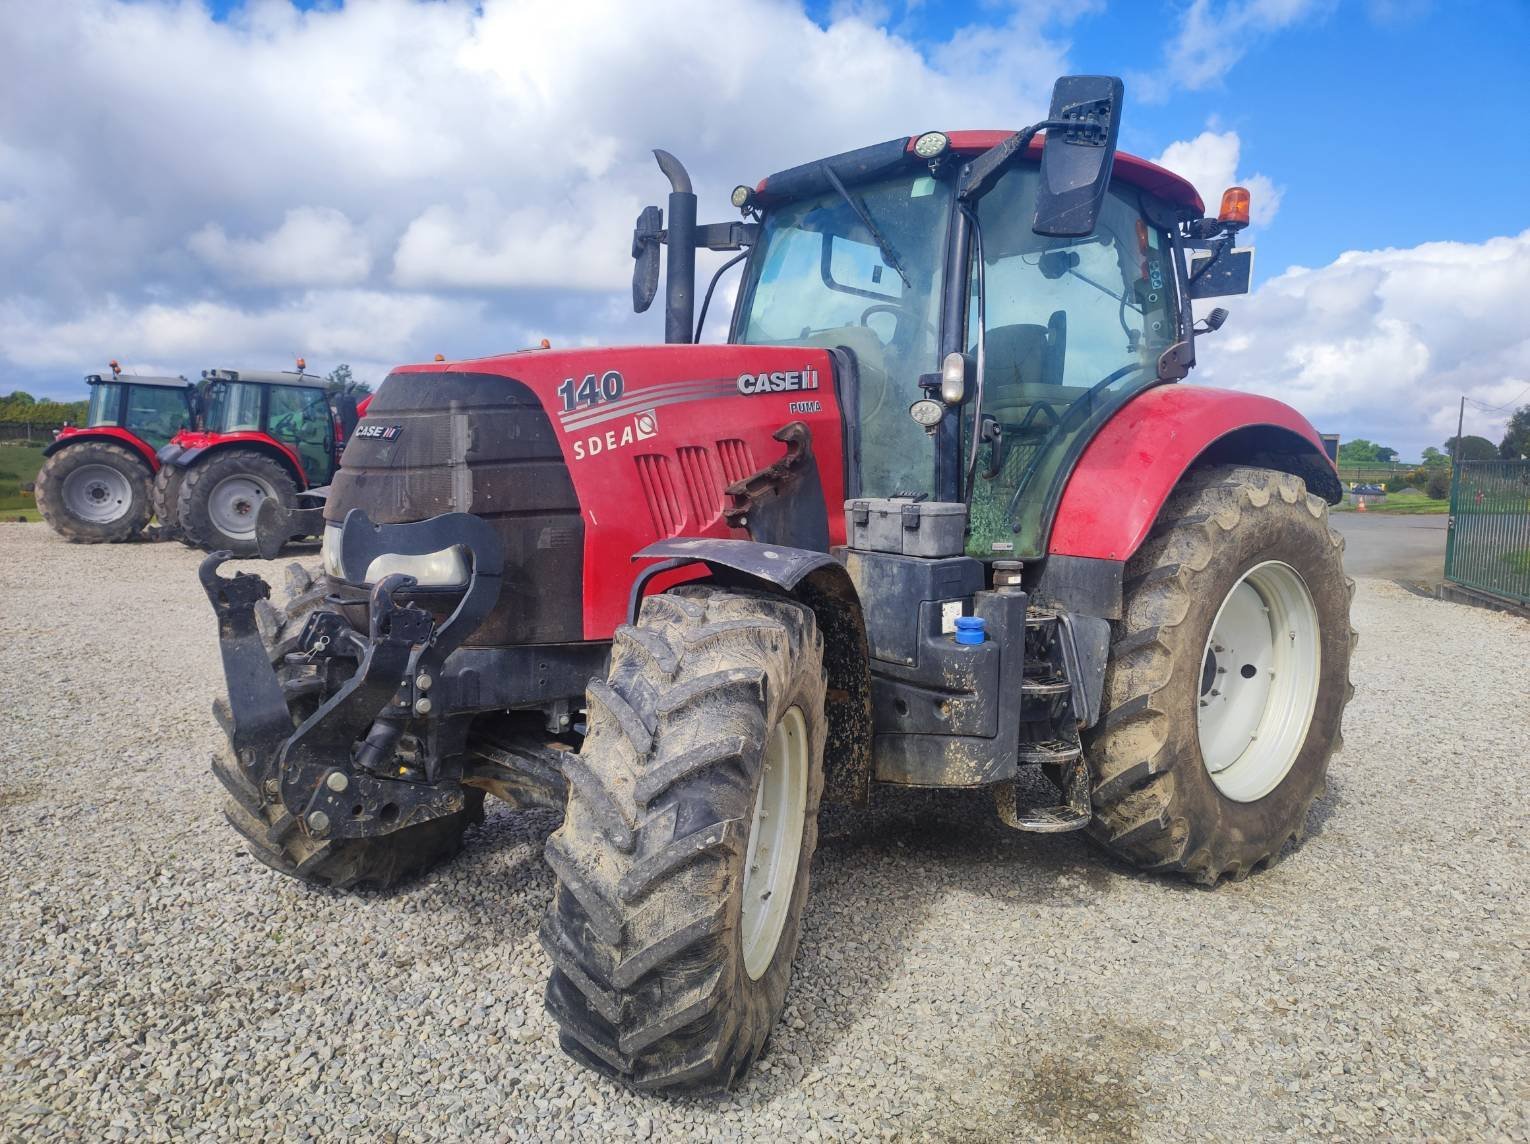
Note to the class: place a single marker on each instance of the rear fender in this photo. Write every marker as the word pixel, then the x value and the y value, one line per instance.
pixel 1135 461
pixel 110 434
pixel 822 583
pixel 255 443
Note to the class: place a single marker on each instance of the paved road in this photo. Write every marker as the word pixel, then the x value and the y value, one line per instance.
pixel 1408 548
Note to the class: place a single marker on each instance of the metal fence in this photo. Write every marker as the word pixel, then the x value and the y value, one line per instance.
pixel 1488 545
pixel 38 432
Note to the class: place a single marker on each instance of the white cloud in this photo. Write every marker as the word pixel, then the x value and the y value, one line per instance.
pixel 313 246
pixel 1210 162
pixel 1382 343
pixel 1213 37
pixel 184 171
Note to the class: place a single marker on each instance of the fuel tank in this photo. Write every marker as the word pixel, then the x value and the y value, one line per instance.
pixel 580 458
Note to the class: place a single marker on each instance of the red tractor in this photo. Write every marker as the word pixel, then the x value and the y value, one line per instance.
pixel 260 436
pixel 936 515
pixel 94 486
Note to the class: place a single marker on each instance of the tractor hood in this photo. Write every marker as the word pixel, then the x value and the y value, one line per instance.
pixel 617 447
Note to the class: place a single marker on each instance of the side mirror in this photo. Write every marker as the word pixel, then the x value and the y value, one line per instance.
pixel 1076 159
pixel 645 255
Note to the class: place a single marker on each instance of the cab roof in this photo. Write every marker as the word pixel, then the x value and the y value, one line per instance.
pixel 264 377
pixel 883 159
pixel 134 379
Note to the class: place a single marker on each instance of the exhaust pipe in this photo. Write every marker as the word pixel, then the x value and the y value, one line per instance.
pixel 680 279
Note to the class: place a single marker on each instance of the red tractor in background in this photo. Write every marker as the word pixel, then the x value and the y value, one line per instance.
pixel 937 515
pixel 94 486
pixel 259 436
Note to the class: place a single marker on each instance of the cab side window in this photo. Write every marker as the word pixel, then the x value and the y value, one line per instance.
pixel 299 416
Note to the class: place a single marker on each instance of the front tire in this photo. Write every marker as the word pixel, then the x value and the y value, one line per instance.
pixel 679 898
pixel 220 496
pixel 1228 678
pixel 94 493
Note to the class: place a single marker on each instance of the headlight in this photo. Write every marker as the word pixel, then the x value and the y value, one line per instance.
pixel 444 569
pixel 329 552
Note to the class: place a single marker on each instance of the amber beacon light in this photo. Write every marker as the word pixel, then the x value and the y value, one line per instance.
pixel 1234 212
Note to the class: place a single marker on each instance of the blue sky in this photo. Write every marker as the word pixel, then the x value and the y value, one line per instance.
pixel 380 182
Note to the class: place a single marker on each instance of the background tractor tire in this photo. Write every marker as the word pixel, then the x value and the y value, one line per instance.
pixel 94 493
pixel 1157 805
pixel 220 495
pixel 712 712
pixel 167 504
pixel 275 837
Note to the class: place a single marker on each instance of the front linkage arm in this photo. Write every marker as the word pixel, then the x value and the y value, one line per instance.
pixel 332 769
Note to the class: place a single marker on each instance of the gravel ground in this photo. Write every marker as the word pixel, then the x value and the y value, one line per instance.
pixel 956 981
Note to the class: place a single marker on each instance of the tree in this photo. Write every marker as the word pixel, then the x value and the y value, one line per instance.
pixel 1472 449
pixel 1433 457
pixel 341 380
pixel 1363 452
pixel 1516 439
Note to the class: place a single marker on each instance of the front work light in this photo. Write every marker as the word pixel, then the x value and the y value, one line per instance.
pixel 444 569
pixel 931 145
pixel 1234 212
pixel 742 196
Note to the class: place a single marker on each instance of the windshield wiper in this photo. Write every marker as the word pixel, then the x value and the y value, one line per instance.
pixel 889 255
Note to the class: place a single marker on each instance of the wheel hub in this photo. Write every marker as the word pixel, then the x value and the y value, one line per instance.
pixel 775 841
pixel 233 502
pixel 1259 681
pixel 98 494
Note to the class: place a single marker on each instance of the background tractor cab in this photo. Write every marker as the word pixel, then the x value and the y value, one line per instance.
pixel 259 436
pixel 934 516
pixel 95 484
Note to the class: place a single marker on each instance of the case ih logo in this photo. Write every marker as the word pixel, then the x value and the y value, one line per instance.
pixel 779 382
pixel 379 432
pixel 642 426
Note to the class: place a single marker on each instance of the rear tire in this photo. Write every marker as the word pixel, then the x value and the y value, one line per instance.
pixel 220 495
pixel 1255 536
pixel 274 835
pixel 673 928
pixel 94 493
pixel 167 504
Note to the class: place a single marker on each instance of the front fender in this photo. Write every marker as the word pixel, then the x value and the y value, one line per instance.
pixel 1133 463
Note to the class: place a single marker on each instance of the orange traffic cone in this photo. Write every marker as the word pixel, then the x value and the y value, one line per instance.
pixel 1360 504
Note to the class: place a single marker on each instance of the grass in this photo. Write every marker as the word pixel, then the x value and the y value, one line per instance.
pixel 1519 561
pixel 1403 504
pixel 18 466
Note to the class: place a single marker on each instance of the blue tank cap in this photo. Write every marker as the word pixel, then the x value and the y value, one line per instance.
pixel 971 629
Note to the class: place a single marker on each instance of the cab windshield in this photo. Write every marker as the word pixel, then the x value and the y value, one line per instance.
pixel 231 406
pixel 819 278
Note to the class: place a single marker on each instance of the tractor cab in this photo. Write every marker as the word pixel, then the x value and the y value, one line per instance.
pixel 290 410
pixel 151 409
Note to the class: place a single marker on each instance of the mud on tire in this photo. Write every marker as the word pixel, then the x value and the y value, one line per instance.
pixel 53 501
pixel 275 836
pixel 646 929
pixel 1156 805
pixel 166 501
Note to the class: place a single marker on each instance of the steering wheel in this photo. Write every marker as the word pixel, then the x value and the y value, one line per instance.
pixel 899 312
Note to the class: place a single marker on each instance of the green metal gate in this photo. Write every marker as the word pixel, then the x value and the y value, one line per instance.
pixel 1488 546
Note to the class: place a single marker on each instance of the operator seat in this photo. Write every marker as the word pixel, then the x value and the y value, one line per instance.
pixel 1015 358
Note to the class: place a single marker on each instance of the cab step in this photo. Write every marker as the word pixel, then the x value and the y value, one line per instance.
pixel 1072 814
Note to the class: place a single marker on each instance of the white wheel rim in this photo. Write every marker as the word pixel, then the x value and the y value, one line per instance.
pixel 97 493
pixel 775 842
pixel 1259 681
pixel 233 503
